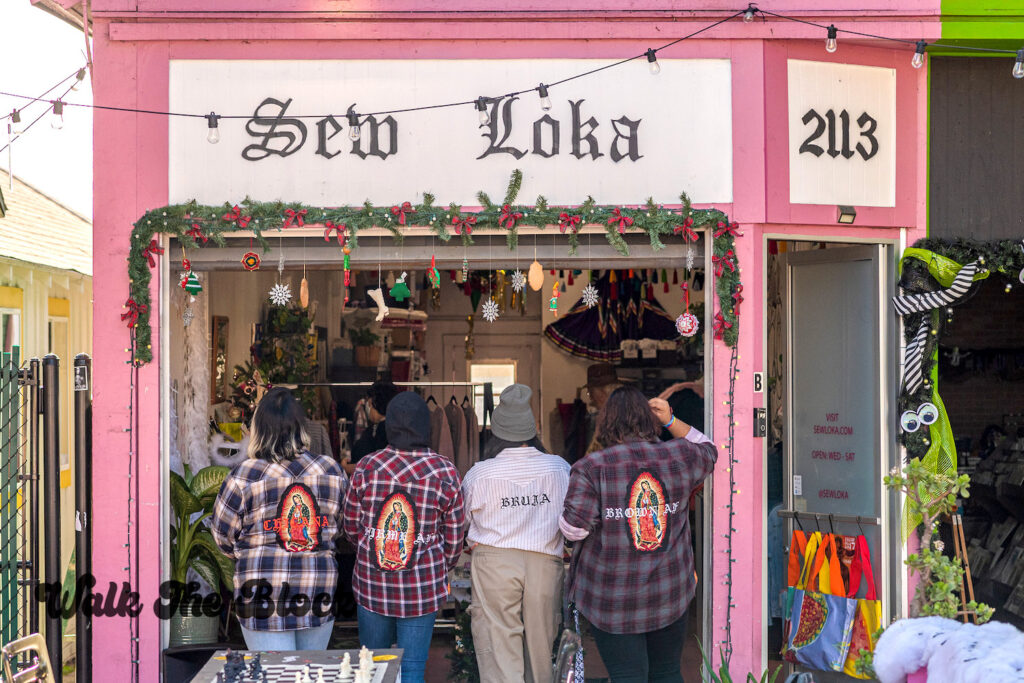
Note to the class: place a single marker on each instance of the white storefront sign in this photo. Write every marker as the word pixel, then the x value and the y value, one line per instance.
pixel 621 135
pixel 842 134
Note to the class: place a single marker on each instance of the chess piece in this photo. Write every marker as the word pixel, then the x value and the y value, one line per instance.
pixel 320 676
pixel 298 677
pixel 345 670
pixel 378 298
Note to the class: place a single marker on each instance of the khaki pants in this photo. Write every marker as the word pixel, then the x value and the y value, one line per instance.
pixel 515 613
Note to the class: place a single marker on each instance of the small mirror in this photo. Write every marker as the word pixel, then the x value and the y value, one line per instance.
pixel 218 358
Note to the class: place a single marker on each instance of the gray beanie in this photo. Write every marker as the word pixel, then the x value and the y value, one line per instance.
pixel 513 419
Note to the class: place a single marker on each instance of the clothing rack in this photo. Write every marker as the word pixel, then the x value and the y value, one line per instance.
pixel 818 516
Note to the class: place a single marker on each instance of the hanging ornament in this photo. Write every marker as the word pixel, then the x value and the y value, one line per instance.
pixel 348 271
pixel 188 316
pixel 518 281
pixel 536 276
pixel 400 290
pixel 553 301
pixel 570 278
pixel 590 296
pixel 281 294
pixel 251 261
pixel 675 276
pixel 489 310
pixel 190 283
pixel 304 293
pixel 499 296
pixel 432 274
pixel 687 324
pixel 465 269
pixel 378 298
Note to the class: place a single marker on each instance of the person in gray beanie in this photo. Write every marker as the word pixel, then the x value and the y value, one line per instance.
pixel 513 500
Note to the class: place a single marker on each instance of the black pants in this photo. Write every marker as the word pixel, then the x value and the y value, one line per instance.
pixel 651 657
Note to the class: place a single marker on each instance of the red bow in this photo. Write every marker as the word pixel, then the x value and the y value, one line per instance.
pixel 466 224
pixel 236 216
pixel 722 261
pixel 730 229
pixel 720 325
pixel 508 217
pixel 623 221
pixel 196 233
pixel 688 233
pixel 400 211
pixel 336 228
pixel 293 215
pixel 148 252
pixel 571 222
pixel 737 297
pixel 186 264
pixel 134 311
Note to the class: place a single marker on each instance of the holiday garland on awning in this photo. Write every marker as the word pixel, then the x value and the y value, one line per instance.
pixel 198 226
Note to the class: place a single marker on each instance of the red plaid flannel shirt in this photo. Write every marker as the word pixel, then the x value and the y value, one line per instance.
pixel 634 571
pixel 404 513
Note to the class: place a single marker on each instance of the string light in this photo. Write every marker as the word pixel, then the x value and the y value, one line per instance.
pixel 545 101
pixel 830 42
pixel 748 16
pixel 652 61
pixel 918 61
pixel 16 128
pixel 1018 66
pixel 212 132
pixel 57 122
pixel 481 107
pixel 353 125
pixel 79 77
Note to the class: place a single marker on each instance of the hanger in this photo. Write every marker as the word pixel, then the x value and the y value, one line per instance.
pixel 817 521
pixel 431 399
pixel 830 525
pixel 465 400
pixel 796 518
pixel 859 526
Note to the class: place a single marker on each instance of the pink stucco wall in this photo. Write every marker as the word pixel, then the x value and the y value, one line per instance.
pixel 134 39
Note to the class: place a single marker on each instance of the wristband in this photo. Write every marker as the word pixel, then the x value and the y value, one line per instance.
pixel 670 422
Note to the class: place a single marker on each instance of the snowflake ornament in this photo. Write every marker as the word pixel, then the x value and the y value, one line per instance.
pixel 689 257
pixel 280 294
pixel 518 281
pixel 590 296
pixel 490 310
pixel 188 316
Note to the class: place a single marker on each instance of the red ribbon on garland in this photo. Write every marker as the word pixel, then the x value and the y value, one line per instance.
pixel 570 222
pixel 463 224
pixel 294 216
pixel 721 262
pixel 149 251
pixel 196 233
pixel 720 325
pixel 336 228
pixel 508 217
pixel 400 211
pixel 235 216
pixel 737 298
pixel 623 221
pixel 134 311
pixel 728 229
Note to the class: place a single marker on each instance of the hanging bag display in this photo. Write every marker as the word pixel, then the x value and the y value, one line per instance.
pixel 868 615
pixel 797 550
pixel 822 615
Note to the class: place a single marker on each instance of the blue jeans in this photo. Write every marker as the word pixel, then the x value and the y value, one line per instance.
pixel 315 638
pixel 412 634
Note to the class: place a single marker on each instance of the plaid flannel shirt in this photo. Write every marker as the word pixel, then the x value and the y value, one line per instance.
pixel 280 521
pixel 404 513
pixel 634 571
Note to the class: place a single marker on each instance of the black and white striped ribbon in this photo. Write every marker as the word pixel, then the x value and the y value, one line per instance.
pixel 913 359
pixel 919 303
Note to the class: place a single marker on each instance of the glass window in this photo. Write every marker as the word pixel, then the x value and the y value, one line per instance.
pixel 499 373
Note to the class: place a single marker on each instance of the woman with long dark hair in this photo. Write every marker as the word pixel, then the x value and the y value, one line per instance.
pixel 278 515
pixel 632 576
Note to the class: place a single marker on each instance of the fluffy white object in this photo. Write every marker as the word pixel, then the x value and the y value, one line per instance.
pixel 227 453
pixel 952 651
pixel 195 386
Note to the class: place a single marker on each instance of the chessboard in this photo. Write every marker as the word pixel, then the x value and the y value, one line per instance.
pixel 302 666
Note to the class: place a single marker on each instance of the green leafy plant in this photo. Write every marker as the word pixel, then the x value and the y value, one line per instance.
pixel 363 336
pixel 192 544
pixel 463 655
pixel 723 675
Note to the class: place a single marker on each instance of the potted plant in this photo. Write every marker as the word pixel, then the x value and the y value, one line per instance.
pixel 723 675
pixel 193 547
pixel 365 343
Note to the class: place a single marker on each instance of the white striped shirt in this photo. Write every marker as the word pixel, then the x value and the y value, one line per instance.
pixel 514 500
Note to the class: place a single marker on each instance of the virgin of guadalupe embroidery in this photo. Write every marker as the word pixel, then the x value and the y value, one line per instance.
pixel 300 521
pixel 647 518
pixel 394 540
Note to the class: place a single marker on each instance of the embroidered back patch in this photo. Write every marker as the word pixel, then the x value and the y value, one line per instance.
pixel 394 534
pixel 299 523
pixel 647 518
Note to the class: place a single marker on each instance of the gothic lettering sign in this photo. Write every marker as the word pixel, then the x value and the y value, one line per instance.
pixel 842 134
pixel 624 135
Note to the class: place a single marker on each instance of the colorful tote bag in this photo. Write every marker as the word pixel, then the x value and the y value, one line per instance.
pixel 868 616
pixel 822 615
pixel 797 550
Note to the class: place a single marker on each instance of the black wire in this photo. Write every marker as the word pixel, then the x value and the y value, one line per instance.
pixel 34 121
pixel 47 91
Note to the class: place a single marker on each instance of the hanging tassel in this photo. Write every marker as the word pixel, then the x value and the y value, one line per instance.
pixel 675 276
pixel 570 278
pixel 613 276
pixel 650 292
pixel 654 277
pixel 561 274
pixel 666 284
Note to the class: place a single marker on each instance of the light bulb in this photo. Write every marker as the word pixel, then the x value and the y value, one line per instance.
pixel 830 42
pixel 16 127
pixel 481 107
pixel 918 61
pixel 353 125
pixel 545 101
pixel 79 77
pixel 212 131
pixel 748 16
pixel 57 120
pixel 1018 66
pixel 652 62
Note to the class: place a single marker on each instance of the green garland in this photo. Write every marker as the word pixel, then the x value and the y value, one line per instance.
pixel 1005 257
pixel 195 225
